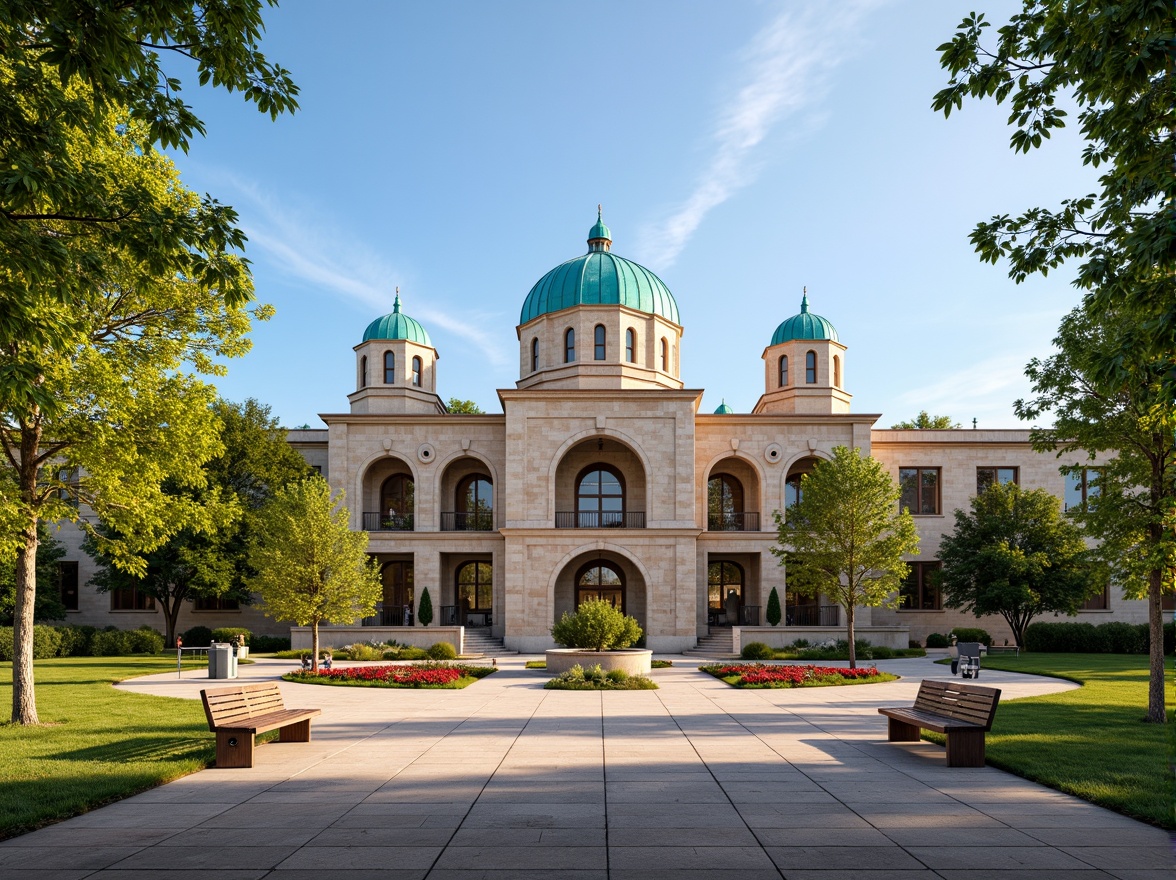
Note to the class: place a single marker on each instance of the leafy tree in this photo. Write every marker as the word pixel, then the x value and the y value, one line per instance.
pixel 1015 555
pixel 463 407
pixel 214 563
pixel 127 410
pixel 923 422
pixel 1132 424
pixel 596 626
pixel 311 567
pixel 846 536
pixel 773 613
pixel 1114 61
pixel 425 611
pixel 48 604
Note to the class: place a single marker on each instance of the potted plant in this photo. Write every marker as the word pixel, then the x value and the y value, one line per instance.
pixel 598 633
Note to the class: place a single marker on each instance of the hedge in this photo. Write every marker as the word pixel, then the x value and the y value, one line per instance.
pixel 83 641
pixel 1086 638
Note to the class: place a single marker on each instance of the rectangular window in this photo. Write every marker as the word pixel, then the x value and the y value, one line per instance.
pixel 215 603
pixel 920 490
pixel 68 492
pixel 1081 486
pixel 130 599
pixel 1100 601
pixel 918 592
pixel 991 476
pixel 67 581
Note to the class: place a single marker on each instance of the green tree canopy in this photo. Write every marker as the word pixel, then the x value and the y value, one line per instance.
pixel 48 605
pixel 311 567
pixel 846 536
pixel 463 407
pixel 1015 555
pixel 597 625
pixel 923 421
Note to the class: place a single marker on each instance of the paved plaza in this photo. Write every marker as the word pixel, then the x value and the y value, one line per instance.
pixel 505 780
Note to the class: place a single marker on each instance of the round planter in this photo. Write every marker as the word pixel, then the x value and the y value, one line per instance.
pixel 635 661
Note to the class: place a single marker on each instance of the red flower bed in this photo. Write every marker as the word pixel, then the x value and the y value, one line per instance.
pixel 410 676
pixel 789 676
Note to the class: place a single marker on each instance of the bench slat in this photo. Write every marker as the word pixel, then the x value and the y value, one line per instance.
pixel 961 711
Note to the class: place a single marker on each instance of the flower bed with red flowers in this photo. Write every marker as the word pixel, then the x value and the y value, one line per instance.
pixel 763 675
pixel 424 675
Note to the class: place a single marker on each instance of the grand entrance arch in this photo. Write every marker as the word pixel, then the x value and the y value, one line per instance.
pixel 603 575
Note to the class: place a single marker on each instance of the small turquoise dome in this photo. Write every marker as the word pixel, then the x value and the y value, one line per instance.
pixel 599 277
pixel 806 325
pixel 397 326
pixel 724 410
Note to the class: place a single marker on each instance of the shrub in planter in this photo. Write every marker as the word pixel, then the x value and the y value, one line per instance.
pixel 937 640
pixel 757 651
pixel 442 651
pixel 230 634
pixel 197 637
pixel 971 634
pixel 596 626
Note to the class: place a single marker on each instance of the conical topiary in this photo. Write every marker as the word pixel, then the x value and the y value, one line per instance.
pixel 425 612
pixel 774 608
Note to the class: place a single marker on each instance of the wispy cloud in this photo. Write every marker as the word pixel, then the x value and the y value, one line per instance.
pixel 987 389
pixel 786 70
pixel 309 250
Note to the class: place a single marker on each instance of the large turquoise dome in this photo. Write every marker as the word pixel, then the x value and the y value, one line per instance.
pixel 599 278
pixel 397 326
pixel 806 325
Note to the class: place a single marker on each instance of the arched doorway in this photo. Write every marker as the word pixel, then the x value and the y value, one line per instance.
pixel 601 579
pixel 399 594
pixel 600 497
pixel 724 504
pixel 724 592
pixel 396 503
pixel 475 504
pixel 475 593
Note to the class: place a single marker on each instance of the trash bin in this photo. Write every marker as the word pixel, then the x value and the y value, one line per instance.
pixel 221 662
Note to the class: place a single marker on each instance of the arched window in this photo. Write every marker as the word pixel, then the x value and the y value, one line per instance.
pixel 665 355
pixel 363 372
pixel 534 354
pixel 475 587
pixel 598 343
pixel 810 368
pixel 416 372
pixel 836 371
pixel 724 504
pixel 600 498
pixel 475 504
pixel 723 578
pixel 396 503
pixel 569 346
pixel 783 371
pixel 389 368
pixel 601 580
pixel 792 492
pixel 630 346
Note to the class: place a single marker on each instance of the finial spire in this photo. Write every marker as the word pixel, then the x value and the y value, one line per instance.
pixel 804 300
pixel 599 211
pixel 396 303
pixel 599 237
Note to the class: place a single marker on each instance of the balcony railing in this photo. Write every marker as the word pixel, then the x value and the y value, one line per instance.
pixel 813 615
pixel 390 615
pixel 458 521
pixel 599 519
pixel 733 522
pixel 387 522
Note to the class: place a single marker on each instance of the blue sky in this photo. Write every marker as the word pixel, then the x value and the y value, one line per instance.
pixel 742 151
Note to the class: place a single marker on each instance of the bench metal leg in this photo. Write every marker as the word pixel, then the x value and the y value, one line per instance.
pixel 298 732
pixel 965 748
pixel 900 731
pixel 234 748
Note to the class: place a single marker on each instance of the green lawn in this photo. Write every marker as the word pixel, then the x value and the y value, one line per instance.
pixel 1092 741
pixel 96 744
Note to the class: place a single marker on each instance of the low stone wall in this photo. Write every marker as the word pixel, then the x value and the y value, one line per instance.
pixel 635 661
pixel 782 636
pixel 418 636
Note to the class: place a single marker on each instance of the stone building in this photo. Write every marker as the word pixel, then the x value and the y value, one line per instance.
pixel 600 478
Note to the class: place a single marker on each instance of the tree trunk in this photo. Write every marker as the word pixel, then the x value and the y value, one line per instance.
pixel 314 646
pixel 1156 711
pixel 849 633
pixel 171 615
pixel 24 698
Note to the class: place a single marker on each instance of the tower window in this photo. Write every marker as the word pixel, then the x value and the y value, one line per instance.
pixel 810 368
pixel 534 354
pixel 665 355
pixel 783 371
pixel 569 346
pixel 389 368
pixel 836 371
pixel 598 343
pixel 630 346
pixel 416 372
pixel 363 372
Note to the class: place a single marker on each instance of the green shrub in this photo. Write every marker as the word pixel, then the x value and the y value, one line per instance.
pixel 144 640
pixel 1085 638
pixel 442 651
pixel 75 640
pixel 197 637
pixel 801 643
pixel 109 643
pixel 425 610
pixel 46 642
pixel 1124 638
pixel 364 651
pixel 773 614
pixel 230 633
pixel 617 675
pixel 596 626
pixel 408 652
pixel 880 652
pixel 757 651
pixel 937 640
pixel 913 643
pixel 1170 637
pixel 972 634
pixel 268 644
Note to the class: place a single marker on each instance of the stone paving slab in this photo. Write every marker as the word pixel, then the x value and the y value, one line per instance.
pixel 507 781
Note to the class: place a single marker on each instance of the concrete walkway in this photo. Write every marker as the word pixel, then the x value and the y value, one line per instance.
pixel 504 780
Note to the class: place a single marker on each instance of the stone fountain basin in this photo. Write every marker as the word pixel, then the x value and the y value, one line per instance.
pixel 635 661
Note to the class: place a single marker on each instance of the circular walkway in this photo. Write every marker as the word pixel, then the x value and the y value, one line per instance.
pixel 505 780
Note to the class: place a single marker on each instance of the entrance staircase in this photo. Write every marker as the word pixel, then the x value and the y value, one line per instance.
pixel 719 643
pixel 480 643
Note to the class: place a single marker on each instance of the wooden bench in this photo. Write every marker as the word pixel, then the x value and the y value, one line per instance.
pixel 237 714
pixel 962 712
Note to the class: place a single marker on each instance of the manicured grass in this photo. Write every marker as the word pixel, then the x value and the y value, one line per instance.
pixel 1092 741
pixel 761 675
pixel 431 676
pixel 95 744
pixel 596 679
pixel 536 664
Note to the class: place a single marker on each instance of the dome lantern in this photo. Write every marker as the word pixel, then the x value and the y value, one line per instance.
pixel 397 325
pixel 599 236
pixel 806 325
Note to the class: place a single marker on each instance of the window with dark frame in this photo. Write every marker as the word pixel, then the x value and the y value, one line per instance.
pixel 67 583
pixel 68 477
pixel 1081 486
pixel 535 354
pixel 363 372
pixel 665 355
pixel 416 372
pixel 569 346
pixel 389 368
pixel 601 580
pixel 630 346
pixel 783 371
pixel 721 578
pixel 475 586
pixel 990 476
pixel 810 368
pixel 598 343
pixel 130 599
pixel 836 371
pixel 215 603
pixel 918 591
pixel 600 497
pixel 1100 601
pixel 920 490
